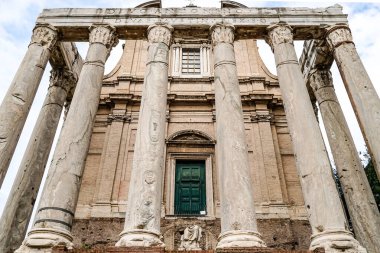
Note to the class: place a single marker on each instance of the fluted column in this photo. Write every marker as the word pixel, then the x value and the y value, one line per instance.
pixel 322 202
pixel 16 104
pixel 142 221
pixel 55 214
pixel 361 204
pixel 363 96
pixel 19 207
pixel 238 217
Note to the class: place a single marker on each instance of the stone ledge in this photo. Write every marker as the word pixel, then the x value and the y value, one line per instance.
pixel 62 249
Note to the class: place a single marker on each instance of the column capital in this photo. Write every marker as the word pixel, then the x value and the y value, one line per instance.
pixel 160 33
pixel 222 33
pixel 278 34
pixel 337 35
pixel 63 78
pixel 320 79
pixel 45 35
pixel 104 34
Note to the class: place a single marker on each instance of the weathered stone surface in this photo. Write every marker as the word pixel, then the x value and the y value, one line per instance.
pixel 131 23
pixel 98 233
pixel 19 207
pixel 238 221
pixel 363 96
pixel 312 160
pixel 142 223
pixel 56 209
pixel 16 104
pixel 361 204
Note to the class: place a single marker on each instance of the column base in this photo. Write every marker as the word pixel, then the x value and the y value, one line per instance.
pixel 239 239
pixel 139 238
pixel 44 239
pixel 336 241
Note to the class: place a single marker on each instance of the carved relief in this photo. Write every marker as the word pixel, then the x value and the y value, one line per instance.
pixel 103 34
pixel 45 35
pixel 118 118
pixel 191 238
pixel 261 118
pixel 160 33
pixel 279 34
pixel 63 78
pixel 222 33
pixel 154 126
pixel 320 79
pixel 149 177
pixel 336 35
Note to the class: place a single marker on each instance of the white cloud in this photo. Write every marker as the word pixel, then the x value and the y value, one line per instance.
pixel 17 20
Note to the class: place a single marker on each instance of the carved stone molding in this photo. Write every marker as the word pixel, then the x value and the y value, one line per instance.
pixel 320 79
pixel 160 33
pixel 104 34
pixel 261 118
pixel 118 118
pixel 63 78
pixel 278 34
pixel 45 35
pixel 337 35
pixel 222 33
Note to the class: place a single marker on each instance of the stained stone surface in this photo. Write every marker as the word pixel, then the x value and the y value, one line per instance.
pixel 142 223
pixel 329 228
pixel 53 220
pixel 363 96
pixel 16 104
pixel 361 204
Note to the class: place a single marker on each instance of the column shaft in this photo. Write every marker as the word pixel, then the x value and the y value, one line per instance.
pixel 363 96
pixel 55 214
pixel 325 211
pixel 19 207
pixel 142 222
pixel 16 104
pixel 361 204
pixel 238 217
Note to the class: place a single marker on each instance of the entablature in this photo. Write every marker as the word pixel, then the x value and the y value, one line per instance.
pixel 190 22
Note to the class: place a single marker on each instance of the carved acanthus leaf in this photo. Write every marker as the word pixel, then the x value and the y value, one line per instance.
pixel 336 35
pixel 279 34
pixel 320 79
pixel 222 33
pixel 45 35
pixel 64 78
pixel 104 34
pixel 160 33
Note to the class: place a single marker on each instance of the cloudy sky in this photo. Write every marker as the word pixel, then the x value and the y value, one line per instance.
pixel 17 18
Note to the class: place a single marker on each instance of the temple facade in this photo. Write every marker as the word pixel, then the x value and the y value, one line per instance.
pixel 190 143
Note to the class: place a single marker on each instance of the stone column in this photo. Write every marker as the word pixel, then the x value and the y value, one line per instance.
pixel 238 217
pixel 55 214
pixel 19 207
pixel 19 98
pixel 360 201
pixel 323 205
pixel 142 221
pixel 364 99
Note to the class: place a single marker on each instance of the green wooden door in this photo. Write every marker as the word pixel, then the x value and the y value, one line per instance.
pixel 190 188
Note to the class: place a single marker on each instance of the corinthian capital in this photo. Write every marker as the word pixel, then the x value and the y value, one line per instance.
pixel 337 35
pixel 45 35
pixel 63 78
pixel 104 34
pixel 278 34
pixel 320 79
pixel 160 33
pixel 222 33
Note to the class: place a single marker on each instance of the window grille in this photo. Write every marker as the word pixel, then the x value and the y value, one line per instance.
pixel 191 61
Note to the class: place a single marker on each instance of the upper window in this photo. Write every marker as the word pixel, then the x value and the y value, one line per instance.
pixel 191 61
